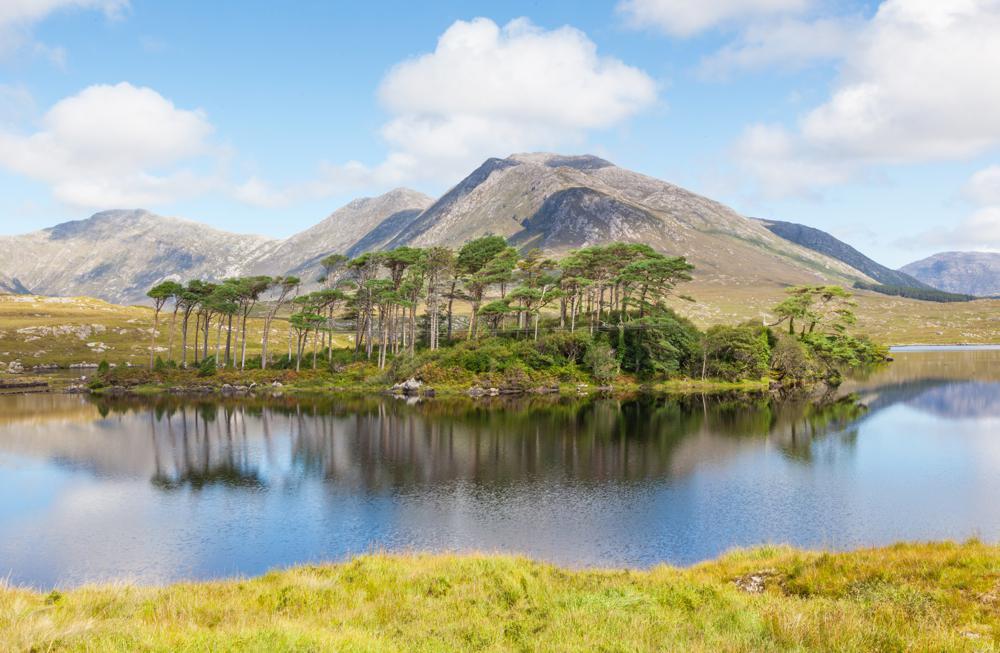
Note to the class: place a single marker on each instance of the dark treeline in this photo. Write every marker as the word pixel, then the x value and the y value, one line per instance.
pixel 925 294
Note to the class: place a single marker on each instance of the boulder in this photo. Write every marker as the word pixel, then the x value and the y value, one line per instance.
pixel 15 367
pixel 409 388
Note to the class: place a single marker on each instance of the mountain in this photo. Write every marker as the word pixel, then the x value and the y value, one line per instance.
pixel 549 201
pixel 971 273
pixel 820 241
pixel 558 202
pixel 118 255
pixel 362 225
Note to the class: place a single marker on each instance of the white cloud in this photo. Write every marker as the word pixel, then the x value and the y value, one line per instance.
pixel 920 86
pixel 789 43
pixel 984 187
pixel 484 91
pixel 488 90
pixel 109 146
pixel 980 231
pixel 689 17
pixel 18 17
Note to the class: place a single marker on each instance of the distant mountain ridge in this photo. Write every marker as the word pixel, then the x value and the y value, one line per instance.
pixel 971 273
pixel 820 241
pixel 551 201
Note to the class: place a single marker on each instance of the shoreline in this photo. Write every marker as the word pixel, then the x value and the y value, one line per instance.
pixel 906 596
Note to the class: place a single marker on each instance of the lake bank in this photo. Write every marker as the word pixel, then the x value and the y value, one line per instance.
pixel 943 597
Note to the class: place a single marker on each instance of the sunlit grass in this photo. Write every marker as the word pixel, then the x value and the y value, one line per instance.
pixel 933 597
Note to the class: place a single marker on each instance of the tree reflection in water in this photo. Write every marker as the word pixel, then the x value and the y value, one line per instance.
pixel 381 444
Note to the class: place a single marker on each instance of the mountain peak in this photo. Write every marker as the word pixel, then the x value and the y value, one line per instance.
pixel 577 161
pixel 970 273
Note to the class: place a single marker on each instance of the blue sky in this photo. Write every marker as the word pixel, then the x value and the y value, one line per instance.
pixel 879 122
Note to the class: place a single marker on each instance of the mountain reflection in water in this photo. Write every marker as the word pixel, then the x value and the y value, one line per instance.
pixel 156 490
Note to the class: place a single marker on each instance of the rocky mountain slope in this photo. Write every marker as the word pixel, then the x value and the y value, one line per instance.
pixel 541 200
pixel 117 255
pixel 560 202
pixel 820 241
pixel 971 273
pixel 362 225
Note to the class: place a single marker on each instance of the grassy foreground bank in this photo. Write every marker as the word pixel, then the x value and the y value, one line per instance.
pixel 909 597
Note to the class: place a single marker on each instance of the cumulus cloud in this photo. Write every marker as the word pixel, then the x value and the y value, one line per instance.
pixel 18 17
pixel 920 86
pixel 118 145
pixel 486 90
pixel 685 18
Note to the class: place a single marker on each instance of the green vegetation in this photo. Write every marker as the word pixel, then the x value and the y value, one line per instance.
pixel 908 597
pixel 923 294
pixel 599 315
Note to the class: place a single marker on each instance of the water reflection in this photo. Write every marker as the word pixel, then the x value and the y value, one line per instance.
pixel 165 489
pixel 382 444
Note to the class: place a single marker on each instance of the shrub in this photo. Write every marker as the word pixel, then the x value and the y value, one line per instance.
pixel 569 345
pixel 789 360
pixel 663 344
pixel 103 367
pixel 735 353
pixel 207 367
pixel 602 362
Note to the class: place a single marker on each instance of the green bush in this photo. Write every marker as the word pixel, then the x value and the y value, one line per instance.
pixel 568 345
pixel 103 367
pixel 790 361
pixel 207 367
pixel 602 362
pixel 664 344
pixel 736 353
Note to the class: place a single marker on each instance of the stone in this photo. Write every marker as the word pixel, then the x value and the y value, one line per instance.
pixel 15 367
pixel 410 388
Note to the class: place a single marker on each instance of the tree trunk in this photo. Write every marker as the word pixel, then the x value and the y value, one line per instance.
pixel 229 338
pixel 152 337
pixel 173 330
pixel 451 300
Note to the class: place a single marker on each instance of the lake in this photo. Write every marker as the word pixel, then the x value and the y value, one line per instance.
pixel 159 490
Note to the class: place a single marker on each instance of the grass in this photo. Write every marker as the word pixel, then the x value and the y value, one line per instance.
pixel 888 320
pixel 67 330
pixel 63 331
pixel 908 597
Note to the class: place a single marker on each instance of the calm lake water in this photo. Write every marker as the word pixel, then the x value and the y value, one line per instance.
pixel 159 491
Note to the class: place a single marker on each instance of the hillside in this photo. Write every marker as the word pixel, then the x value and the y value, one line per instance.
pixel 118 255
pixel 363 224
pixel 971 273
pixel 541 200
pixel 822 242
pixel 560 202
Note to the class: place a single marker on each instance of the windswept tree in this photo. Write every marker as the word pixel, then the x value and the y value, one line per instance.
pixel 655 278
pixel 284 286
pixel 331 265
pixel 438 263
pixel 480 268
pixel 248 293
pixel 828 307
pixel 190 300
pixel 161 294
pixel 224 302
